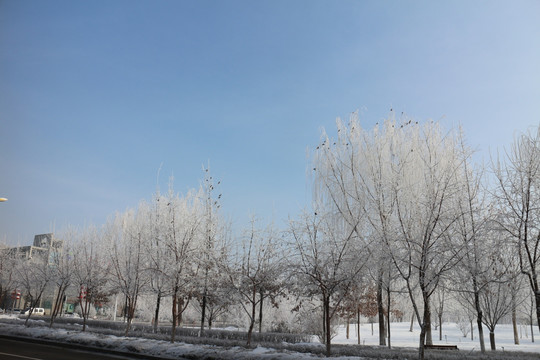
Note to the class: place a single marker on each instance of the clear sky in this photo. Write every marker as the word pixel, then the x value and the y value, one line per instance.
pixel 96 96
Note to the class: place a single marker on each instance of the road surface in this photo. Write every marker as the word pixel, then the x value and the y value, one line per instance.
pixel 22 350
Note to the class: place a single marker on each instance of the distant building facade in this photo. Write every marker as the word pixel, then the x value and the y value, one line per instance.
pixel 44 245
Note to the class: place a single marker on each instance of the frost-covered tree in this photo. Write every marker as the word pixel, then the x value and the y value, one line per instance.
pixel 33 278
pixel 255 270
pixel 473 231
pixel 157 253
pixel 327 258
pixel 62 268
pixel 126 235
pixel 425 165
pixel 352 178
pixel 518 194
pixel 181 235
pixel 7 274
pixel 91 268
pixel 213 233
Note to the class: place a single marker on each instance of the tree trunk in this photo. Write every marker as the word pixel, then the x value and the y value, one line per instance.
pixel 514 320
pixel 261 311
pixel 253 314
pixel 388 302
pixel 57 304
pixel 472 331
pixel 412 322
pixel 84 313
pixel 348 325
pixel 358 326
pixel 327 321
pixel 380 307
pixel 440 326
pixel 537 299
pixel 422 342
pixel 479 318
pixel 156 315
pixel 130 314
pixel 492 340
pixel 427 322
pixel 203 312
pixel 210 320
pixel 174 316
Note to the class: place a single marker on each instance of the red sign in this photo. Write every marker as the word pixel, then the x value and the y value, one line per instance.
pixel 82 293
pixel 16 294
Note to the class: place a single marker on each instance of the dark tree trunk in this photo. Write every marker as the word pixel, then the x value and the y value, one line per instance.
pixel 156 314
pixel 380 307
pixel 427 322
pixel 440 326
pixel 203 312
pixel 537 299
pixel 492 340
pixel 358 326
pixel 514 319
pixel 85 311
pixel 58 302
pixel 327 325
pixel 388 302
pixel 132 303
pixel 253 314
pixel 479 317
pixel 261 294
pixel 174 316
pixel 422 342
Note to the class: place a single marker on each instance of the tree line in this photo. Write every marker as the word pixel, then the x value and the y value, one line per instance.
pixel 399 210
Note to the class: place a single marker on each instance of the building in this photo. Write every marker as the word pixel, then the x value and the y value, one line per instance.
pixel 45 246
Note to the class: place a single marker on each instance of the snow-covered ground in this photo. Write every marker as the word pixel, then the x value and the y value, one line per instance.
pixel 451 334
pixel 401 337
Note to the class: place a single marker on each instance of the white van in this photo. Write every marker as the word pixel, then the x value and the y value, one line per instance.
pixel 35 311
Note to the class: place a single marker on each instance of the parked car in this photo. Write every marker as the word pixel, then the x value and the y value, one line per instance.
pixel 35 311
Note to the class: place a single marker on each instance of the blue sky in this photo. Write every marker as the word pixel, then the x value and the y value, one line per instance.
pixel 96 96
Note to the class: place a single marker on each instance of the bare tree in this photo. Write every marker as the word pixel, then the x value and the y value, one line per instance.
pixel 61 273
pixel 8 263
pixel 183 222
pixel 519 198
pixel 126 235
pixel 327 261
pixel 351 177
pixel 157 253
pixel 91 270
pixel 473 232
pixel 425 164
pixel 255 270
pixel 207 247
pixel 33 276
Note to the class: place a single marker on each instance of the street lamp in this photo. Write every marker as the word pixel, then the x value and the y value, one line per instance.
pixel 3 199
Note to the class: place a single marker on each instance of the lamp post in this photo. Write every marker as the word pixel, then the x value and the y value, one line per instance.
pixel 3 199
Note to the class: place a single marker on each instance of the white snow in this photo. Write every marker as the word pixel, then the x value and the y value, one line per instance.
pixel 401 337
pixel 452 335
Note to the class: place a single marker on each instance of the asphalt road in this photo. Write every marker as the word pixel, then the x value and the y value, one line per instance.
pixel 22 350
